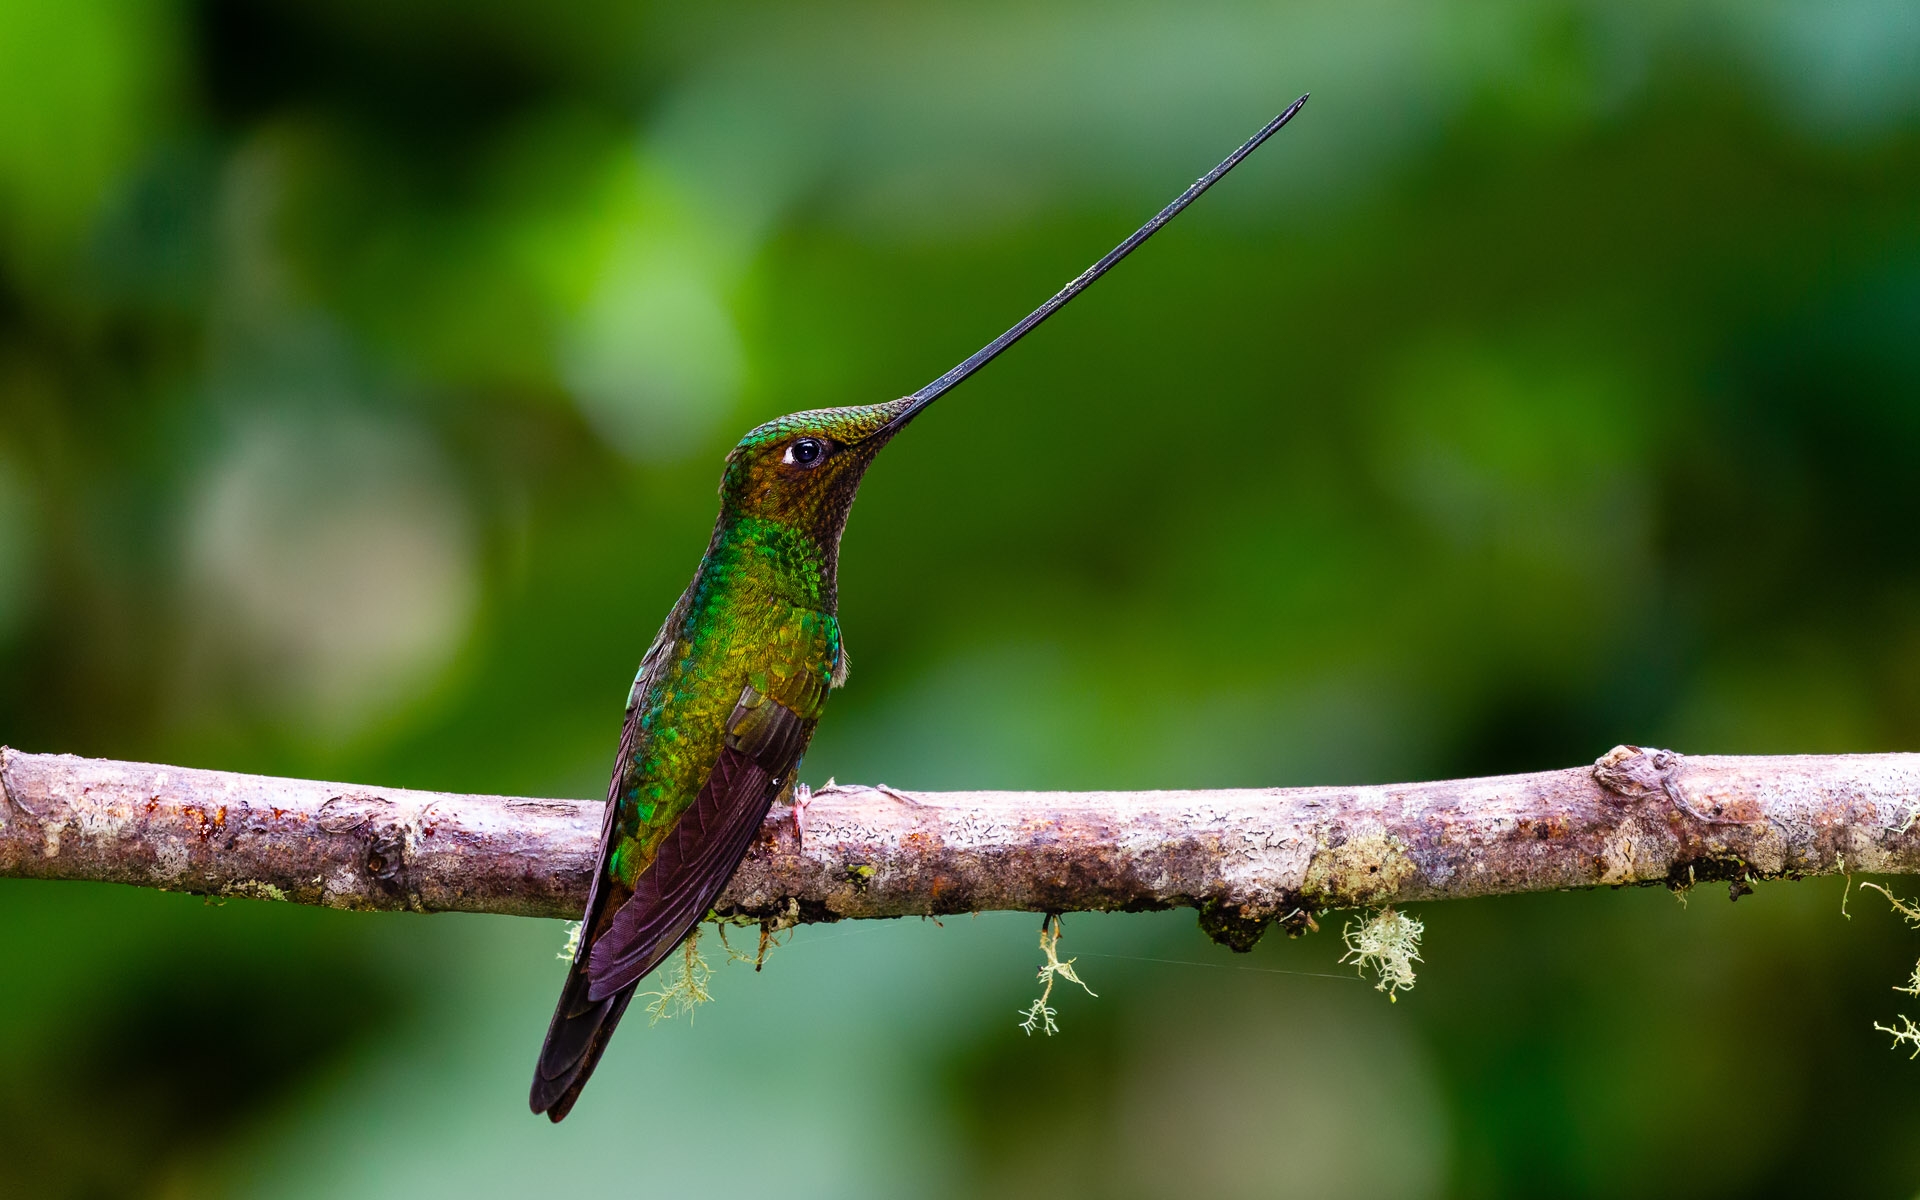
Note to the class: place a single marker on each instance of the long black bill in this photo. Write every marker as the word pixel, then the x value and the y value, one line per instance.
pixel 987 353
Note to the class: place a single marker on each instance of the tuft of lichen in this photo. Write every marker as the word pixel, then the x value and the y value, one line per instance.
pixel 1913 983
pixel 1388 943
pixel 1908 1033
pixel 1900 906
pixel 686 988
pixel 1039 1015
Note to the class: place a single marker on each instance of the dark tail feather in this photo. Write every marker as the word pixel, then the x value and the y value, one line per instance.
pixel 575 1040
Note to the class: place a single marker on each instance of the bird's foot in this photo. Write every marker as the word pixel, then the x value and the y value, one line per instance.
pixel 802 800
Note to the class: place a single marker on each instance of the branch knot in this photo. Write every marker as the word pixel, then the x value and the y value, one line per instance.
pixel 1634 773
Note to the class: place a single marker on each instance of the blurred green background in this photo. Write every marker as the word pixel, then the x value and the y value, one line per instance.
pixel 1554 382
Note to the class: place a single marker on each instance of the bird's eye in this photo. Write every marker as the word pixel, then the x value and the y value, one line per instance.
pixel 806 452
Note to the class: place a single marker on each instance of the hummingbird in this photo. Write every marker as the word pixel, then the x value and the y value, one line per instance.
pixel 728 695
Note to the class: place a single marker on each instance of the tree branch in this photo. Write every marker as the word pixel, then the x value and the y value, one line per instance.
pixel 1245 858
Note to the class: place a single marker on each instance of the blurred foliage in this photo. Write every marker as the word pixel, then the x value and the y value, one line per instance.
pixel 1554 382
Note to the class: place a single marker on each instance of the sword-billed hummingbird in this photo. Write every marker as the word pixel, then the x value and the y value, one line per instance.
pixel 728 695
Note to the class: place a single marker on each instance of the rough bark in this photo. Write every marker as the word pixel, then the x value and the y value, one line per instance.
pixel 1245 858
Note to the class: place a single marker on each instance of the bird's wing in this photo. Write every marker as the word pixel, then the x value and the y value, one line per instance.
pixel 582 1023
pixel 765 738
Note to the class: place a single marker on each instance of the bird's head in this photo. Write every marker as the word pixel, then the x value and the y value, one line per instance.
pixel 802 470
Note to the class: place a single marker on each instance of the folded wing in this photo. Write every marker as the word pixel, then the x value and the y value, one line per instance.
pixel 764 742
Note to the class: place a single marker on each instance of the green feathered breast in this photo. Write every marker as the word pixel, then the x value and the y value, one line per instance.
pixel 752 619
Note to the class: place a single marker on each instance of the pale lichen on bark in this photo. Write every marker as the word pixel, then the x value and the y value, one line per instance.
pixel 1245 858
